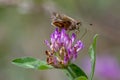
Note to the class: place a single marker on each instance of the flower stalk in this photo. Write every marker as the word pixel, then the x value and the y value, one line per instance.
pixel 73 72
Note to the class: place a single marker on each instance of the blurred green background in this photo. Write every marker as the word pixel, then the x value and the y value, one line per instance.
pixel 25 24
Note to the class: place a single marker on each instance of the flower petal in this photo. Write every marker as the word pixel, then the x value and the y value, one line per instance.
pixel 66 59
pixel 73 37
pixel 47 43
pixel 78 45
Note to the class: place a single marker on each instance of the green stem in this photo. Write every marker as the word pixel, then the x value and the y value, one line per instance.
pixel 73 72
pixel 69 73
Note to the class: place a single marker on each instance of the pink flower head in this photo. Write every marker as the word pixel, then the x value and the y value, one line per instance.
pixel 62 48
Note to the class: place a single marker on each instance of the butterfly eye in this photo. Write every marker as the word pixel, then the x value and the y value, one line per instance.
pixel 78 23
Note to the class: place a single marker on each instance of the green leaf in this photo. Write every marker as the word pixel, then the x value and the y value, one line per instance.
pixel 73 71
pixel 92 53
pixel 81 78
pixel 28 62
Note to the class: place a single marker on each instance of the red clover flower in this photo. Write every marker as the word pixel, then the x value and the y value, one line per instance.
pixel 62 48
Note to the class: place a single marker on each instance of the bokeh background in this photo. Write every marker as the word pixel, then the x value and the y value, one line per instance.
pixel 25 24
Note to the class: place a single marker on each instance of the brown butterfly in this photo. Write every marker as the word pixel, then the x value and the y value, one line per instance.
pixel 62 21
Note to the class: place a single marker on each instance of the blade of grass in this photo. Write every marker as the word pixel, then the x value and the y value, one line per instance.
pixel 92 53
